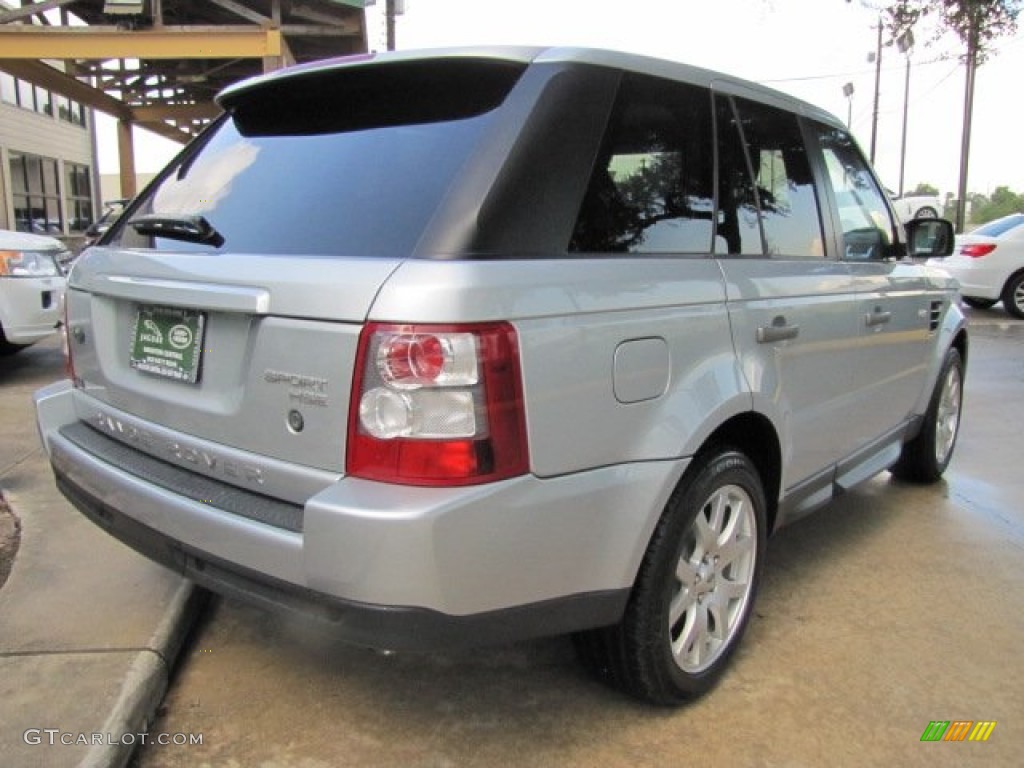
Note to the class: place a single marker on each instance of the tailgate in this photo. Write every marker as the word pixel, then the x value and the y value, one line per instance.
pixel 253 352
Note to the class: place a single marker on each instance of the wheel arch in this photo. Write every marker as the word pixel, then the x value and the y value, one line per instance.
pixel 961 344
pixel 1006 283
pixel 754 435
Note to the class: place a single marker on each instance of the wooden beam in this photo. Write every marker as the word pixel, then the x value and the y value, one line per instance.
pixel 315 30
pixel 240 10
pixel 32 9
pixel 167 131
pixel 155 113
pixel 126 158
pixel 320 15
pixel 106 42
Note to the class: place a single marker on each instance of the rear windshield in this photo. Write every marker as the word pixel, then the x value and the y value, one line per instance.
pixel 999 227
pixel 348 163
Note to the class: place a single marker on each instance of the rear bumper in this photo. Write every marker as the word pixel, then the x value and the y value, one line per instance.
pixel 396 628
pixel 394 567
pixel 976 278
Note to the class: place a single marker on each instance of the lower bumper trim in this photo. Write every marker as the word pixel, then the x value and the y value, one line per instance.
pixel 395 628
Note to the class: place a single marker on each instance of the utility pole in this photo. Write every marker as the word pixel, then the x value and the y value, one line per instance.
pixel 905 43
pixel 389 15
pixel 965 144
pixel 878 87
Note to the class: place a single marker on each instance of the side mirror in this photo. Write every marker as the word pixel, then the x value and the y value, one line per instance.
pixel 929 238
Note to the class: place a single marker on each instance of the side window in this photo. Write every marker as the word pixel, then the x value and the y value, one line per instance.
pixel 652 189
pixel 767 201
pixel 863 214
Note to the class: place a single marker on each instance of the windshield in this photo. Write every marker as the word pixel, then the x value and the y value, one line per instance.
pixel 337 170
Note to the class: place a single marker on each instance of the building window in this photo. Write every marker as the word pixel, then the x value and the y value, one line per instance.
pixel 27 96
pixel 44 103
pixel 36 194
pixel 78 193
pixel 8 88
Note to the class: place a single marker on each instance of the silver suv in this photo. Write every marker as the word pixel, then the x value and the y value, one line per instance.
pixel 478 345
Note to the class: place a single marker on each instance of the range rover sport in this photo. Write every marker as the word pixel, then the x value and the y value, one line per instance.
pixel 475 345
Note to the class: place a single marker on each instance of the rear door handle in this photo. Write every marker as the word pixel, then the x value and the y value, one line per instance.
pixel 779 330
pixel 878 317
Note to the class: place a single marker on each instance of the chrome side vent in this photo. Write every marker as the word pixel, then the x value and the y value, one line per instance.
pixel 935 315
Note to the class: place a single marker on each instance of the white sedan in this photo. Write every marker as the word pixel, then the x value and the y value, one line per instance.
pixel 31 288
pixel 989 263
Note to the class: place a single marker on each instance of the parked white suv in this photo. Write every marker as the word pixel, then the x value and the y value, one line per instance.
pixel 31 288
pixel 477 345
pixel 913 206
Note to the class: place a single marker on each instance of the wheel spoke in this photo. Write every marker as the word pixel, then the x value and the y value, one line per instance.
pixel 679 606
pixel 719 626
pixel 727 591
pixel 737 549
pixel 689 646
pixel 719 504
pixel 705 535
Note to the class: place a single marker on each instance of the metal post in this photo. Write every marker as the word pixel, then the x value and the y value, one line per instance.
pixel 389 15
pixel 905 43
pixel 965 145
pixel 878 85
pixel 903 143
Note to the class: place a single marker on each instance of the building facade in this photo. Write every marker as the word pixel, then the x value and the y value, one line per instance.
pixel 48 178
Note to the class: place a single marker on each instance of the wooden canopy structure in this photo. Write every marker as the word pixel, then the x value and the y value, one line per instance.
pixel 159 63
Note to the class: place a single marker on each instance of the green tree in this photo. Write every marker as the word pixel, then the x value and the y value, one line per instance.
pixel 924 189
pixel 1003 202
pixel 978 24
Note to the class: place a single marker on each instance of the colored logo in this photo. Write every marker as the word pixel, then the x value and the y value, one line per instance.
pixel 958 730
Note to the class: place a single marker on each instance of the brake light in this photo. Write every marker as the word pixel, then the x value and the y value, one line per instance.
pixel 437 405
pixel 65 333
pixel 977 250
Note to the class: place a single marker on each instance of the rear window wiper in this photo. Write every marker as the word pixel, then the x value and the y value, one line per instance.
pixel 192 228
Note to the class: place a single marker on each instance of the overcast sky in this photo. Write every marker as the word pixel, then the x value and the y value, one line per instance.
pixel 808 48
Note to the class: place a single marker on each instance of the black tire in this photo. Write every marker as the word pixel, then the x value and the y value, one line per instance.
pixel 7 348
pixel 973 301
pixel 926 213
pixel 1013 295
pixel 718 507
pixel 926 456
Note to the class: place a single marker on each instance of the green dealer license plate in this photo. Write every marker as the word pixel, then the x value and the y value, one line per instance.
pixel 168 342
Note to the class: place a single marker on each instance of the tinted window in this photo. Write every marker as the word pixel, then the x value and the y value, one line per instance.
pixel 766 198
pixel 652 189
pixel 863 214
pixel 347 165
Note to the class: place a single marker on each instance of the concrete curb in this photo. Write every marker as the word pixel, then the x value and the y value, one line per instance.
pixel 147 681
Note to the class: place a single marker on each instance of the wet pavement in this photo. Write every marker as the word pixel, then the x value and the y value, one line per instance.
pixel 896 606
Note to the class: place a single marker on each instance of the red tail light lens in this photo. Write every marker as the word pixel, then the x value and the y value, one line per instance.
pixel 65 333
pixel 437 405
pixel 977 250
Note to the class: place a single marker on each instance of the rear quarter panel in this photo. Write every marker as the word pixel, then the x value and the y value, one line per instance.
pixel 623 360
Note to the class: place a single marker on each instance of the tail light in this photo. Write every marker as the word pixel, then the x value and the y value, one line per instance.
pixel 437 405
pixel 65 333
pixel 977 250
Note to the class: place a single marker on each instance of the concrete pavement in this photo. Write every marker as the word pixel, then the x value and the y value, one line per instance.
pixel 898 606
pixel 88 629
